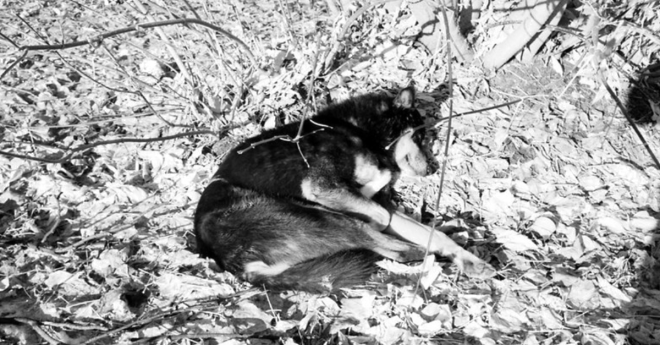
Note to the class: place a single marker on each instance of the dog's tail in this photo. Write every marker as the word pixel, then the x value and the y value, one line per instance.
pixel 327 273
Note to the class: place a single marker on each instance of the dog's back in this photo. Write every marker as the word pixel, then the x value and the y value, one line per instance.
pixel 340 160
pixel 278 167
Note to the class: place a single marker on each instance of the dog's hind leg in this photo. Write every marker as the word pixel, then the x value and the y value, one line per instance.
pixel 407 228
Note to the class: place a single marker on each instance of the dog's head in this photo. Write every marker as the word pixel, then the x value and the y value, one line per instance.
pixel 406 127
pixel 392 122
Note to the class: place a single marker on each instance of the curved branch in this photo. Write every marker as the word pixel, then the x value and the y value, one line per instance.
pixel 537 16
pixel 72 151
pixel 14 64
pixel 136 28
pixel 349 22
pixel 35 326
pixel 145 26
pixel 632 123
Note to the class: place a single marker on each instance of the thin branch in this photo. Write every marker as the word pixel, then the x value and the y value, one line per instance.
pixel 192 9
pixel 127 224
pixel 638 29
pixel 20 58
pixel 121 68
pixel 140 322
pixel 74 326
pixel 437 123
pixel 349 22
pixel 310 87
pixel 360 11
pixel 93 238
pixel 299 136
pixel 450 87
pixel 39 330
pixel 82 124
pixel 202 335
pixel 302 154
pixel 173 53
pixel 629 118
pixel 71 151
pixel 253 145
pixel 283 137
pixel 137 27
pixel 139 93
pixel 6 38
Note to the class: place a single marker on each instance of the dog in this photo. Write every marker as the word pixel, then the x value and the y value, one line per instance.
pixel 340 160
pixel 289 244
pixel 303 207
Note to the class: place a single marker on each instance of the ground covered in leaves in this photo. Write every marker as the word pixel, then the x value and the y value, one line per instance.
pixel 106 146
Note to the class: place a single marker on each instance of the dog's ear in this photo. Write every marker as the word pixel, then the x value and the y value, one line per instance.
pixel 405 98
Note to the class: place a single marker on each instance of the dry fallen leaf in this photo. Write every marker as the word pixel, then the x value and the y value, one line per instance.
pixel 543 226
pixel 513 240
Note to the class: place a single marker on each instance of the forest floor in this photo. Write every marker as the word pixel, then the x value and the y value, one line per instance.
pixel 106 146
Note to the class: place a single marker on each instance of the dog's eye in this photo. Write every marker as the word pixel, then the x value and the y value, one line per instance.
pixel 418 137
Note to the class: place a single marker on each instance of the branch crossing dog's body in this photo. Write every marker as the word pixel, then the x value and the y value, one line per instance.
pixel 308 215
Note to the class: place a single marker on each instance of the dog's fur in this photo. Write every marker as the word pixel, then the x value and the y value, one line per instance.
pixel 287 243
pixel 340 161
pixel 307 214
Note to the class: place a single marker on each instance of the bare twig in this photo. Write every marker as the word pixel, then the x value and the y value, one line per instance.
pixel 299 135
pixel 286 15
pixel 450 86
pixel 20 58
pixel 437 123
pixel 74 326
pixel 342 35
pixel 121 68
pixel 638 29
pixel 170 336
pixel 127 223
pixel 192 9
pixel 93 238
pixel 450 89
pixel 39 330
pixel 6 38
pixel 177 58
pixel 629 118
pixel 253 145
pixel 140 93
pixel 71 151
pixel 283 137
pixel 76 125
pixel 360 11
pixel 55 224
pixel 140 322
pixel 109 52
pixel 105 35
pixel 310 87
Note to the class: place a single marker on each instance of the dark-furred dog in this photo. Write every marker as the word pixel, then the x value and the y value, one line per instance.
pixel 307 214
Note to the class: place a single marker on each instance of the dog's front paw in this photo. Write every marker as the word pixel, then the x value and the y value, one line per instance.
pixel 472 266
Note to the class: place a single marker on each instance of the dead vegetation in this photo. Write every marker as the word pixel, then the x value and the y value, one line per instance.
pixel 107 143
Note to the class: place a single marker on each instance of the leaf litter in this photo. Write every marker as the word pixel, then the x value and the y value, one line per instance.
pixel 555 191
